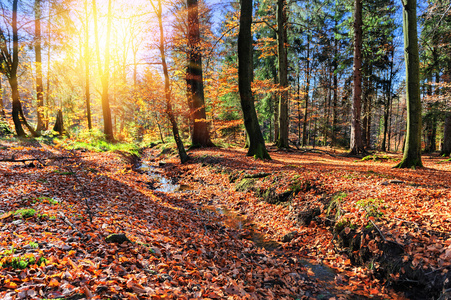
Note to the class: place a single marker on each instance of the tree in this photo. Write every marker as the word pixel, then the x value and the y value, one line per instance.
pixel 167 88
pixel 107 122
pixel 39 88
pixel 412 147
pixel 87 62
pixel 282 140
pixel 200 135
pixel 356 131
pixel 9 66
pixel 245 74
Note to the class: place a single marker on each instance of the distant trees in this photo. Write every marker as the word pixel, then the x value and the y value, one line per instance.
pixel 314 76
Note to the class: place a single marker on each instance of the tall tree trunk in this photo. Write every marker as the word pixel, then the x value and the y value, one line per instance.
pixel 37 47
pixel 446 147
pixel 306 95
pixel 335 91
pixel 388 104
pixel 86 54
pixel 17 112
pixel 356 131
pixel 275 102
pixel 2 107
pixel 47 96
pixel 412 147
pixel 200 134
pixel 167 88
pixel 282 140
pixel 245 74
pixel 299 106
pixel 328 105
pixel 107 121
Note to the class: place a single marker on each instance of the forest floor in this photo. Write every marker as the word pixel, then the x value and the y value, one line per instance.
pixel 304 225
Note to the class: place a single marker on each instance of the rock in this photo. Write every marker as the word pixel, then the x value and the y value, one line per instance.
pixel 305 217
pixel 17 222
pixel 117 238
pixel 289 236
pixel 257 175
pixel 156 251
pixel 164 277
pixel 396 181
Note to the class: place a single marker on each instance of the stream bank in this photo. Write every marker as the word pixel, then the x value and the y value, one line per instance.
pixel 243 226
pixel 296 215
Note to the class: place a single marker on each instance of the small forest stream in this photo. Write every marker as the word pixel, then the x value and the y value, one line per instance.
pixel 323 274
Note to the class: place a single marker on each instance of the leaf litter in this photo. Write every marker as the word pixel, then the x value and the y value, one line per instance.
pixel 182 247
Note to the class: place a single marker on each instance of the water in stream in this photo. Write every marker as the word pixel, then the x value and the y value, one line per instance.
pixel 164 184
pixel 247 229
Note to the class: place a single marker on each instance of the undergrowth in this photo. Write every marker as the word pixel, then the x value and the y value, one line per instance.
pixel 95 141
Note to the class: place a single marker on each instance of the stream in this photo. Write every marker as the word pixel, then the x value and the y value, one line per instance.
pixel 324 274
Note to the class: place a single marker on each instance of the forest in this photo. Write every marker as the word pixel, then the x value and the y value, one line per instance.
pixel 206 149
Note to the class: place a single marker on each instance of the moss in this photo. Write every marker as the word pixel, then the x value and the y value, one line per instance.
pixel 25 213
pixel 245 185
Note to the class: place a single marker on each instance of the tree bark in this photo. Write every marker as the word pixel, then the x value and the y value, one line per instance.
pixel 59 123
pixel 446 147
pixel 200 136
pixel 37 47
pixel 167 88
pixel 412 147
pixel 282 140
pixel 356 131
pixel 86 54
pixel 17 112
pixel 306 95
pixel 2 107
pixel 107 121
pixel 245 74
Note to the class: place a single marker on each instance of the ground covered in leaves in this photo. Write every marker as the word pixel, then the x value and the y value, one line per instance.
pixel 305 225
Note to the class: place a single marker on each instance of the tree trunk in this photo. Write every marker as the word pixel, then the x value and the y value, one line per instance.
pixel 412 149
pixel 37 47
pixel 59 124
pixel 306 95
pixel 107 121
pixel 196 102
pixel 167 88
pixel 388 106
pixel 86 50
pixel 47 96
pixel 245 74
pixel 282 140
pixel 275 102
pixel 335 92
pixel 356 131
pixel 17 112
pixel 2 107
pixel 446 147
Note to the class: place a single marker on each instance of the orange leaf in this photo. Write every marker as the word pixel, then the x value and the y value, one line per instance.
pixel 10 285
pixel 6 215
pixel 54 283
